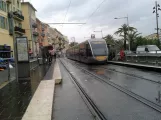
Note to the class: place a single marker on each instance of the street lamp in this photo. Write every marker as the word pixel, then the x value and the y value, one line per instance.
pixel 155 10
pixel 99 31
pixel 127 18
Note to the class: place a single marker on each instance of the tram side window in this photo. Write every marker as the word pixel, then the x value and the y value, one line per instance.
pixel 82 49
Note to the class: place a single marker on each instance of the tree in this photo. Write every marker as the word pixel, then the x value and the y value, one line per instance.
pixel 132 37
pixel 73 44
pixel 115 44
pixel 123 31
pixel 109 39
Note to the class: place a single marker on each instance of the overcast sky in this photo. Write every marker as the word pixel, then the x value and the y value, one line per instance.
pixel 139 11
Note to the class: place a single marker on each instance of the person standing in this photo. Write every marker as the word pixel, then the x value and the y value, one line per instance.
pixel 122 55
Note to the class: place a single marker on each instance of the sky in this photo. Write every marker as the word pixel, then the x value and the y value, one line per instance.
pixel 98 15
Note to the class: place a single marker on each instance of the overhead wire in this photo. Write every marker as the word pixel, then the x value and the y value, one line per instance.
pixel 66 12
pixel 94 12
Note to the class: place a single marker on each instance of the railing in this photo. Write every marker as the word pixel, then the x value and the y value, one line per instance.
pixel 18 15
pixel 33 64
pixel 35 33
pixel 149 58
pixel 19 30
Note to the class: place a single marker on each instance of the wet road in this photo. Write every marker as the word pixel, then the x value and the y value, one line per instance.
pixel 114 104
pixel 14 97
pixel 142 87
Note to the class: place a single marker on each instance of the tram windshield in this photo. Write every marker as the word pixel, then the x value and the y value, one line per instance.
pixel 99 48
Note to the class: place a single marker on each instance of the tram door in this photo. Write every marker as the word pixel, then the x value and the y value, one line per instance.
pixel 88 50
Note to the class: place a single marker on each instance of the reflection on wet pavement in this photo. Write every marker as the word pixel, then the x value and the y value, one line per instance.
pixel 144 88
pixel 15 97
pixel 112 103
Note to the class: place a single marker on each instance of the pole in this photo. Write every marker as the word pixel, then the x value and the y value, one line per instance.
pixel 102 33
pixel 156 7
pixel 128 30
pixel 15 50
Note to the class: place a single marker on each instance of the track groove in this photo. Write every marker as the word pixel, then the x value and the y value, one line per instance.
pixel 97 113
pixel 143 100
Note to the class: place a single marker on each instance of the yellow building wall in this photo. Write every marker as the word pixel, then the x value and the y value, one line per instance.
pixel 5 38
pixel 45 43
pixel 26 23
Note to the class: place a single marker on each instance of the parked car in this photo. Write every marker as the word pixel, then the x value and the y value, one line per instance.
pixel 148 49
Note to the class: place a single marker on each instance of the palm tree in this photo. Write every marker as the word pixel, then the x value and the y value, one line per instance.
pixel 132 37
pixel 109 39
pixel 123 31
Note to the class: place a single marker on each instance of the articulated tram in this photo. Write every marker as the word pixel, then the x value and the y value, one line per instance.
pixel 91 51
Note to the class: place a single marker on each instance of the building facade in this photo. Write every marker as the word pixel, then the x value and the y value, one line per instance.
pixel 151 36
pixel 30 26
pixel 11 18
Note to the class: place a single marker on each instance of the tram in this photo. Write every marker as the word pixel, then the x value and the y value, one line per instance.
pixel 90 52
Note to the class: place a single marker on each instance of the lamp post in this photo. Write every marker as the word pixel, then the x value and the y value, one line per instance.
pixel 127 18
pixel 100 32
pixel 155 10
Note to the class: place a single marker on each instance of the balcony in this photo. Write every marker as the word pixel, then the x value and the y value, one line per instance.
pixel 34 25
pixel 43 34
pixel 17 15
pixel 19 30
pixel 43 28
pixel 9 1
pixel 35 33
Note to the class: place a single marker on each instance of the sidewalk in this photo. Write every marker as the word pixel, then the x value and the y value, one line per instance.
pixel 65 104
pixel 15 97
pixel 4 75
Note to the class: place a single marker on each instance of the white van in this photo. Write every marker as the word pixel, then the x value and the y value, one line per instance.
pixel 148 49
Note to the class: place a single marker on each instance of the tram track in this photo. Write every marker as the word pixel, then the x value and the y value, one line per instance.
pixel 132 75
pixel 98 115
pixel 141 99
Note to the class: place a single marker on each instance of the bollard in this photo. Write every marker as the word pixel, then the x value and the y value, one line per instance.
pixel 8 66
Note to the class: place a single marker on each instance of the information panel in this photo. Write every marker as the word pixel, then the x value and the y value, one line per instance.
pixel 22 49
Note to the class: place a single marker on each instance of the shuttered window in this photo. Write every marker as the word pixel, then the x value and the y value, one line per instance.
pixel 3 6
pixel 3 23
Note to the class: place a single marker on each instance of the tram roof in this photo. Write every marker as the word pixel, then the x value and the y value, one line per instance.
pixel 90 40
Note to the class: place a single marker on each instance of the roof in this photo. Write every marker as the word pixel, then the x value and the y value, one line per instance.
pixel 28 3
pixel 59 32
pixel 151 35
pixel 95 39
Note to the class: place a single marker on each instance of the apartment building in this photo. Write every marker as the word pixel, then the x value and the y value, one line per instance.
pixel 30 26
pixel 11 18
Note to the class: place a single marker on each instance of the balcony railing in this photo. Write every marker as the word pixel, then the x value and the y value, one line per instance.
pixel 17 15
pixel 43 28
pixel 35 33
pixel 9 1
pixel 43 34
pixel 34 25
pixel 19 30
